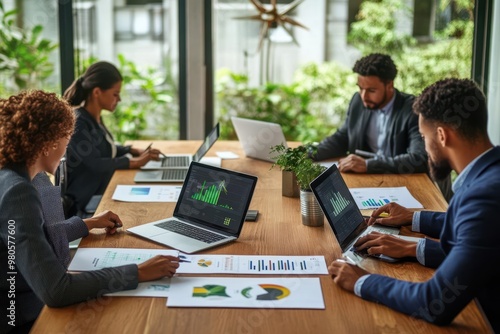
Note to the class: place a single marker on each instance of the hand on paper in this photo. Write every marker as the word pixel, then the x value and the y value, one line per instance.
pixel 379 243
pixel 107 219
pixel 352 163
pixel 398 215
pixel 345 274
pixel 158 267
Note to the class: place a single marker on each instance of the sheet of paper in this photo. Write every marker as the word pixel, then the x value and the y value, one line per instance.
pixel 157 288
pixel 227 155
pixel 212 161
pixel 372 198
pixel 86 259
pixel 97 258
pixel 250 264
pixel 271 292
pixel 126 193
pixel 328 164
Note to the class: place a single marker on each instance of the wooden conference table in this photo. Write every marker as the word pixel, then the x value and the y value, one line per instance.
pixel 278 231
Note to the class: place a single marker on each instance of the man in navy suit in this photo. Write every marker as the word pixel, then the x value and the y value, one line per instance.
pixel 453 123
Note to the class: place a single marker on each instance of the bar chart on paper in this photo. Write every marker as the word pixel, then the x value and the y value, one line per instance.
pixel 372 198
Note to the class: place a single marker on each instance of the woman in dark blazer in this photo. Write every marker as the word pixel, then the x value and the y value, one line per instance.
pixel 35 129
pixel 92 155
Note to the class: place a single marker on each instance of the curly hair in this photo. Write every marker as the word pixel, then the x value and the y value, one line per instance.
pixel 376 64
pixel 29 122
pixel 457 103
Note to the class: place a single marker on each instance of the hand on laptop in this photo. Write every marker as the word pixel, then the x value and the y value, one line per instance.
pixel 158 267
pixel 386 244
pixel 144 158
pixel 345 274
pixel 398 215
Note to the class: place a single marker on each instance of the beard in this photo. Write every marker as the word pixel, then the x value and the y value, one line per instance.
pixel 376 106
pixel 439 169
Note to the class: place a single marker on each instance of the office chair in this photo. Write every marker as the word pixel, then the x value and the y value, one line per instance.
pixel 61 180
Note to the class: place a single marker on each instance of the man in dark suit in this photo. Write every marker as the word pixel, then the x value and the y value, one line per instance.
pixel 453 123
pixel 380 122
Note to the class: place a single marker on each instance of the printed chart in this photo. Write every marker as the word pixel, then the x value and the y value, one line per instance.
pixel 97 258
pixel 296 293
pixel 372 198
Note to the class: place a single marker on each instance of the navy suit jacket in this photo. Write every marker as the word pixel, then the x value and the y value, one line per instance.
pixel 471 265
pixel 404 141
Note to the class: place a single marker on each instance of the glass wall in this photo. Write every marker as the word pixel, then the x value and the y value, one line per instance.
pixel 292 64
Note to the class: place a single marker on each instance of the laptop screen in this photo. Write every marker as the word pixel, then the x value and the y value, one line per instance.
pixel 216 197
pixel 338 205
pixel 209 141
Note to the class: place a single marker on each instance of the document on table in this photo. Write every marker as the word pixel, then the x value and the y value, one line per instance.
pixel 372 198
pixel 97 258
pixel 157 288
pixel 126 193
pixel 268 293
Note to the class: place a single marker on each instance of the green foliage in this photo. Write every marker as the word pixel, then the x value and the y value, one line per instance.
pixel 24 54
pixel 308 109
pixel 375 30
pixel 418 65
pixel 146 99
pixel 297 161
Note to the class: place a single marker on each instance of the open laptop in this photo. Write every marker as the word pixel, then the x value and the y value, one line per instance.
pixel 343 215
pixel 257 137
pixel 183 160
pixel 210 211
pixel 173 168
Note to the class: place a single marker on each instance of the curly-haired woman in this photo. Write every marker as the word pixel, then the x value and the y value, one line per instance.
pixel 35 130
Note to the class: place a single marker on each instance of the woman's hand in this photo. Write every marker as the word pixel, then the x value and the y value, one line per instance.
pixel 107 219
pixel 158 267
pixel 144 157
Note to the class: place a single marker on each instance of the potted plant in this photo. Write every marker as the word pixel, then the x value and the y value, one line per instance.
pixel 287 159
pixel 297 161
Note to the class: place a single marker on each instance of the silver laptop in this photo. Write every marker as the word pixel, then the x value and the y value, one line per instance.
pixel 257 137
pixel 343 215
pixel 173 168
pixel 183 160
pixel 210 211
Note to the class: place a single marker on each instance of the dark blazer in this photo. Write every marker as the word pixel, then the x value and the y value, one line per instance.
pixel 469 240
pixel 89 162
pixel 40 278
pixel 407 148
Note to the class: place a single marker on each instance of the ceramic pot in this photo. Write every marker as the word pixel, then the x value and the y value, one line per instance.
pixel 289 186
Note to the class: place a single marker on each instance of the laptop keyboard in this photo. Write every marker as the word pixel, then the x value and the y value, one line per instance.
pixel 190 231
pixel 174 161
pixel 174 174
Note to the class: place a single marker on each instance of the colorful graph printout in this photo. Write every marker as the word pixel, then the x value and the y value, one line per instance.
pixel 97 258
pixel 271 292
pixel 372 198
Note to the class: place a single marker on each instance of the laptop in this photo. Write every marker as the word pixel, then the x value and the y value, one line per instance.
pixel 343 215
pixel 257 137
pixel 174 168
pixel 210 211
pixel 183 160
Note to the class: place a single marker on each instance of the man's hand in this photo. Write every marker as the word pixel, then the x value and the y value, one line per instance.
pixel 398 215
pixel 107 219
pixel 352 163
pixel 345 274
pixel 379 243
